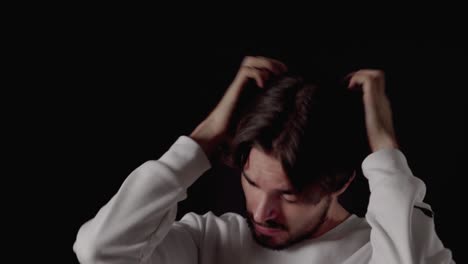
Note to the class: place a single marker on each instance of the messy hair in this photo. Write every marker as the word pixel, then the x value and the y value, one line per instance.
pixel 317 133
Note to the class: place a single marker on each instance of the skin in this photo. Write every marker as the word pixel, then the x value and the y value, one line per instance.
pixel 278 217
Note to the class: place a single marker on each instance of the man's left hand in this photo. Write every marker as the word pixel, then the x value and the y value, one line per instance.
pixel 378 113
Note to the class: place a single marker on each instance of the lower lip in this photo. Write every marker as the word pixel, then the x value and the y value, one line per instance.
pixel 266 230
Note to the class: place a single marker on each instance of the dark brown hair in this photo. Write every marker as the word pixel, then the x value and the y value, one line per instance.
pixel 317 133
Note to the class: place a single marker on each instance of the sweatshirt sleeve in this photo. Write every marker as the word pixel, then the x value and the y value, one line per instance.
pixel 402 225
pixel 130 227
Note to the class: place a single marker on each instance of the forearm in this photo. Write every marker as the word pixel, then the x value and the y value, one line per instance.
pixel 207 137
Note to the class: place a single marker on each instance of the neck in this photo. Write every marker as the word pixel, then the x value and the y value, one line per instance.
pixel 335 216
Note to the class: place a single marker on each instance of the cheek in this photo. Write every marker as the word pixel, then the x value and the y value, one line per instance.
pixel 299 214
pixel 292 212
pixel 251 194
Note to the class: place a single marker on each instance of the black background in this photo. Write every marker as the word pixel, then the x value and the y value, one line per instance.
pixel 110 101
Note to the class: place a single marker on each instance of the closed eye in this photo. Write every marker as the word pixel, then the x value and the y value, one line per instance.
pixel 289 197
pixel 249 180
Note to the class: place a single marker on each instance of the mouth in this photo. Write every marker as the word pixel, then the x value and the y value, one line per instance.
pixel 267 231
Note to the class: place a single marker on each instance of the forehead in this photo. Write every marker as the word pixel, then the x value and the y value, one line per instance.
pixel 266 170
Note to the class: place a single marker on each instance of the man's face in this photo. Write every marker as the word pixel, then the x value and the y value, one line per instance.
pixel 278 216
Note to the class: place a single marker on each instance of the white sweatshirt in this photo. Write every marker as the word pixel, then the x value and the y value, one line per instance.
pixel 138 224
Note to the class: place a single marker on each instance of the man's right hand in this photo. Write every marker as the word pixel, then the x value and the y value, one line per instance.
pixel 212 131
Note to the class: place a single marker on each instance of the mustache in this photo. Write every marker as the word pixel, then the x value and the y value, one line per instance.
pixel 268 223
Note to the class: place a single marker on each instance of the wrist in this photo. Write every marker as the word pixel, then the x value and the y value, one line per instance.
pixel 207 138
pixel 385 143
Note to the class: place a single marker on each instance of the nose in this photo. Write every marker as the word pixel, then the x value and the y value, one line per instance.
pixel 267 209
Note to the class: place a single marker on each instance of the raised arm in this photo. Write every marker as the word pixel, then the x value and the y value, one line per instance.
pixel 402 224
pixel 138 224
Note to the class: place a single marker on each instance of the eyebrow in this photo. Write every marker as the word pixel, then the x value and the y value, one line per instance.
pixel 284 191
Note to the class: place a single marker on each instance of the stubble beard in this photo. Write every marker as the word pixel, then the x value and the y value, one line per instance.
pixel 263 240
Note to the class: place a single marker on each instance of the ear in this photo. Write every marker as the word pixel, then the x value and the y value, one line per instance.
pixel 343 189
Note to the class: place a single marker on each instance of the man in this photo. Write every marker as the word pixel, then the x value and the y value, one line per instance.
pixel 291 177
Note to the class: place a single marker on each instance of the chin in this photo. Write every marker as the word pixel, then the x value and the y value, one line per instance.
pixel 270 243
pixel 276 242
pixel 280 240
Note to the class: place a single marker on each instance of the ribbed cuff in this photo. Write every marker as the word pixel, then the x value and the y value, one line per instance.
pixel 187 159
pixel 389 159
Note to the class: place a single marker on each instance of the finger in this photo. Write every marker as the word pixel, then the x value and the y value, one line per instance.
pixel 262 63
pixel 278 63
pixel 358 78
pixel 371 74
pixel 272 65
pixel 355 82
pixel 349 75
pixel 346 79
pixel 260 76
